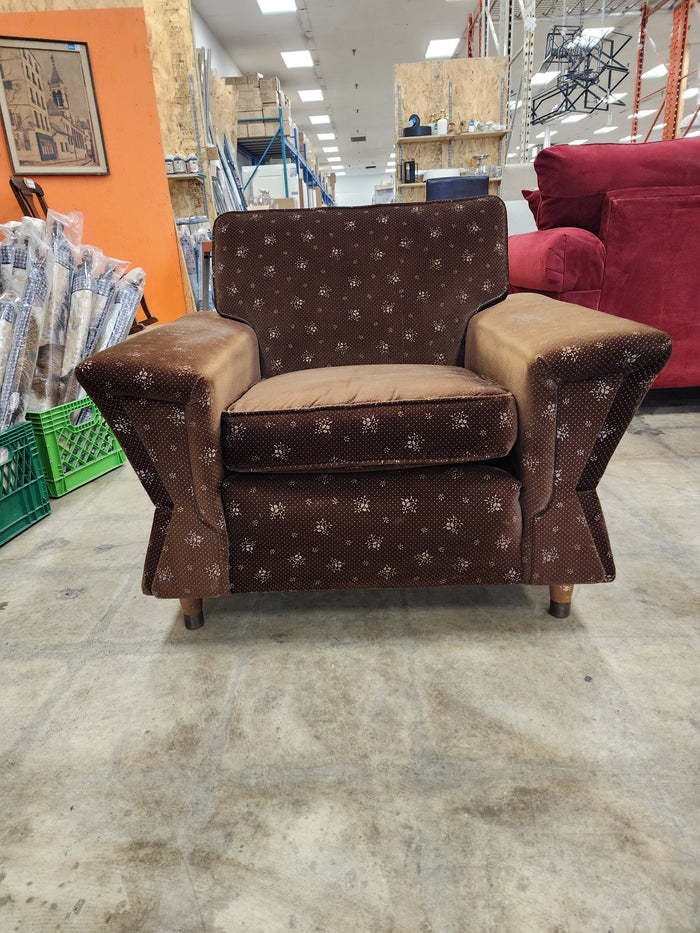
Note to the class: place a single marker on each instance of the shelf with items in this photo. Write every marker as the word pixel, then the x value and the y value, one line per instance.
pixel 448 137
pixel 288 148
pixel 465 89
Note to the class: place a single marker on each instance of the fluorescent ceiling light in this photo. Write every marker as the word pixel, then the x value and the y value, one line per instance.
pixel 441 48
pixel 334 159
pixel 578 142
pixel 512 155
pixel 691 92
pixel 323 136
pixel 277 6
pixel 543 77
pixel 596 35
pixel 605 129
pixel 659 72
pixel 615 98
pixel 542 135
pixel 330 149
pixel 575 118
pixel 641 113
pixel 392 155
pixel 319 118
pixel 628 139
pixel 339 173
pixel 391 164
pixel 694 133
pixel 313 94
pixel 300 59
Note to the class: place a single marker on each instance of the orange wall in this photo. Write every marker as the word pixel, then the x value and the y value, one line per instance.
pixel 127 213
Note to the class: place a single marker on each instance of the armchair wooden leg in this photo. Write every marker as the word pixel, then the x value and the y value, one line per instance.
pixel 560 599
pixel 192 610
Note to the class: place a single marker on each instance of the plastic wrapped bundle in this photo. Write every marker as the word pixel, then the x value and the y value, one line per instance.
pixel 19 370
pixel 189 252
pixel 8 315
pixel 82 296
pixel 106 289
pixel 123 311
pixel 7 253
pixel 64 232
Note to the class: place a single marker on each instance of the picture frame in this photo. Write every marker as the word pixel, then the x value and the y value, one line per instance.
pixel 49 108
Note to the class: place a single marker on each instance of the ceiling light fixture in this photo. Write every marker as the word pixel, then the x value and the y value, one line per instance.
pixel 334 159
pixel 691 92
pixel 641 113
pixel 605 129
pixel 577 142
pixel 659 72
pixel 311 94
pixel 441 48
pixel 323 136
pixel 277 6
pixel 628 139
pixel 543 77
pixel 319 117
pixel 301 59
pixel 339 173
pixel 330 149
pixel 574 118
pixel 542 135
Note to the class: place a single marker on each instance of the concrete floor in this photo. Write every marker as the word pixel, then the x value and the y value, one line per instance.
pixel 428 761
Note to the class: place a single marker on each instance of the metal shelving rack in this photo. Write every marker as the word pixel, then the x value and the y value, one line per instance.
pixel 286 147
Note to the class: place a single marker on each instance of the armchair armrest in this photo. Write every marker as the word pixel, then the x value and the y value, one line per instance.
pixel 565 259
pixel 578 376
pixel 162 393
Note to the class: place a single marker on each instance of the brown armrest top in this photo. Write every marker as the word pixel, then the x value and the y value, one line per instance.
pixel 169 362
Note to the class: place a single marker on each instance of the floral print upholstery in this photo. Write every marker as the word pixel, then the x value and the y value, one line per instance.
pixel 362 417
pixel 440 526
pixel 395 284
pixel 575 376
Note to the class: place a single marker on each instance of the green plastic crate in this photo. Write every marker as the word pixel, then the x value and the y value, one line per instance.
pixel 75 445
pixel 24 498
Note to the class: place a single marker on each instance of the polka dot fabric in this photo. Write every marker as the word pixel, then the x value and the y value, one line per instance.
pixel 435 527
pixel 385 284
pixel 572 379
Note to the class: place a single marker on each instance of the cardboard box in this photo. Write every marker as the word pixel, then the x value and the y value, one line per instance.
pixel 284 204
pixel 249 98
pixel 271 127
pixel 270 89
pixel 242 130
pixel 252 77
pixel 271 111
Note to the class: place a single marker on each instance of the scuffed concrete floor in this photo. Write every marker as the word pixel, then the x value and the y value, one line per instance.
pixel 385 761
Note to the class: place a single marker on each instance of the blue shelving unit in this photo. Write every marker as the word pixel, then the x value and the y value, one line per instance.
pixel 286 147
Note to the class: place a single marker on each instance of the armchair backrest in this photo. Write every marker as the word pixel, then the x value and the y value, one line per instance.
pixel 574 180
pixel 392 283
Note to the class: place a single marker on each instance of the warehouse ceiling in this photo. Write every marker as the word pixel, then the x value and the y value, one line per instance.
pixel 355 43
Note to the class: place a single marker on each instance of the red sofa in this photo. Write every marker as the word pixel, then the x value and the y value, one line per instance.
pixel 619 230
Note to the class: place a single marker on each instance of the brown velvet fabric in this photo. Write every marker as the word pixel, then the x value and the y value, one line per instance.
pixel 360 417
pixel 440 526
pixel 162 393
pixel 384 284
pixel 578 376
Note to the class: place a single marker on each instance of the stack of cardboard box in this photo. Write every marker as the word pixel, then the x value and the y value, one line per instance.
pixel 261 99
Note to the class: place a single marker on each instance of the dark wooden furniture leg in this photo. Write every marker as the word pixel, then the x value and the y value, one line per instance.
pixel 192 610
pixel 560 599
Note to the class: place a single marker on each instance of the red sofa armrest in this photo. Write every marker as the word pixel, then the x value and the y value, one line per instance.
pixel 566 259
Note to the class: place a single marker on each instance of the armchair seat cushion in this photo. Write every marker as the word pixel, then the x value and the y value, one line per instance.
pixel 367 417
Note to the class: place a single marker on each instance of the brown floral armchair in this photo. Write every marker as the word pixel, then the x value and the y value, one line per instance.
pixel 369 409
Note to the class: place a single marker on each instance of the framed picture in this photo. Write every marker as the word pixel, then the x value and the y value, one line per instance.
pixel 48 107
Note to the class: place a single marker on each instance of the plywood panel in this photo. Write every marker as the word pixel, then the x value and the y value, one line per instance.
pixel 476 89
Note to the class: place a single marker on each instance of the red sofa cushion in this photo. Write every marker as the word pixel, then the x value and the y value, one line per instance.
pixel 573 180
pixel 533 199
pixel 562 260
